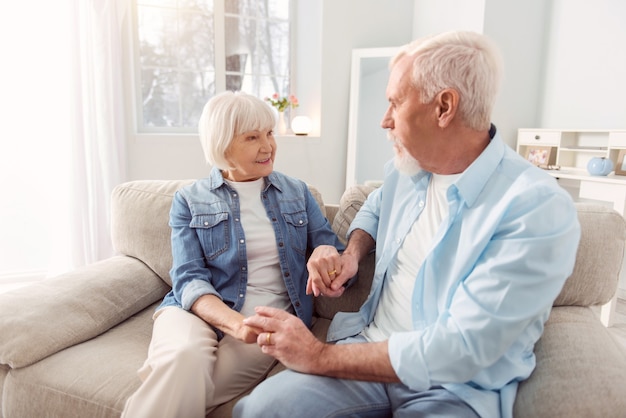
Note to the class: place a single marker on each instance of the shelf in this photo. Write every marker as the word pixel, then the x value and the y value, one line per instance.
pixel 572 148
pixel 586 149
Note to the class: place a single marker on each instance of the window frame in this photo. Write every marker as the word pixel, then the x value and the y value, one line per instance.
pixel 219 17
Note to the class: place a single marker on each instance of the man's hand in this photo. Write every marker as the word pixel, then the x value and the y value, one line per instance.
pixel 328 271
pixel 286 338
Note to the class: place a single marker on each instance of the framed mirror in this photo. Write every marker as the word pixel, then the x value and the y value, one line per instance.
pixel 368 147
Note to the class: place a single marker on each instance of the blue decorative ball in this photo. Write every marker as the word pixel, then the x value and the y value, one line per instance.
pixel 599 166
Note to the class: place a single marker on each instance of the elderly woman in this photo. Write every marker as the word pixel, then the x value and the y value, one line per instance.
pixel 239 240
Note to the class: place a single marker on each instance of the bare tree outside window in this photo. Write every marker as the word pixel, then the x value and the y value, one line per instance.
pixel 178 52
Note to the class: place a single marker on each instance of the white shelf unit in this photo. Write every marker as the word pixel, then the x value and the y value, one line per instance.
pixel 571 150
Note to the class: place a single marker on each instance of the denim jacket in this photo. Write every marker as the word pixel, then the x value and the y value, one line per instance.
pixel 208 241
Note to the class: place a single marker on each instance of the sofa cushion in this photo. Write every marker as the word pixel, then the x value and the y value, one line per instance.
pixel 140 212
pixel 578 366
pixel 73 308
pixel 349 204
pixel 599 257
pixel 92 379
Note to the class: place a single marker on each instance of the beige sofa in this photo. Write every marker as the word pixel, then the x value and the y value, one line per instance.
pixel 70 346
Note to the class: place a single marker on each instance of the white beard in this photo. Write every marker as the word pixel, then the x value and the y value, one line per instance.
pixel 403 161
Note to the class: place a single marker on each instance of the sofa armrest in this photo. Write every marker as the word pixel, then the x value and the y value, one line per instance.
pixel 580 369
pixel 41 319
pixel 599 257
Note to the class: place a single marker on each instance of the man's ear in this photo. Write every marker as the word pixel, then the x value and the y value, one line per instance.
pixel 447 105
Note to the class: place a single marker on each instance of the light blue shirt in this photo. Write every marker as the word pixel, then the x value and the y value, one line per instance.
pixel 484 291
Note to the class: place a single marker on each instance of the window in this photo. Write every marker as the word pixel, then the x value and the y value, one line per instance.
pixel 189 50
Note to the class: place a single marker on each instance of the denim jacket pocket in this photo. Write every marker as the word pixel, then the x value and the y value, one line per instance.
pixel 297 227
pixel 213 233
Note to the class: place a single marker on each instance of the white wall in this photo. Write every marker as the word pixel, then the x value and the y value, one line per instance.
pixel 585 82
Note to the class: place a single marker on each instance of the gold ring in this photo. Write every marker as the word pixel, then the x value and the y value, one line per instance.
pixel 267 339
pixel 332 272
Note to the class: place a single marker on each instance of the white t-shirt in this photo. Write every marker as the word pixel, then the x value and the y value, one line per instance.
pixel 265 283
pixel 393 313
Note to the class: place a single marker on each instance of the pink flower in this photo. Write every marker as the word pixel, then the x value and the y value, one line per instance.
pixel 282 103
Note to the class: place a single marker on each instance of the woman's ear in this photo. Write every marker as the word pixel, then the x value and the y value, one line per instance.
pixel 447 105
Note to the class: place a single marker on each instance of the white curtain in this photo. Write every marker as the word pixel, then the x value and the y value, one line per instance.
pixel 62 142
pixel 98 132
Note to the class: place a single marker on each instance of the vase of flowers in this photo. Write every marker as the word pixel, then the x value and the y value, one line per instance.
pixel 282 104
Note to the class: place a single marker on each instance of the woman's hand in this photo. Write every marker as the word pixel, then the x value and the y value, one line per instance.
pixel 215 312
pixel 247 334
pixel 329 271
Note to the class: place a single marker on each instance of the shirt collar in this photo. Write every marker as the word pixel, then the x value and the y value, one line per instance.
pixel 475 177
pixel 217 180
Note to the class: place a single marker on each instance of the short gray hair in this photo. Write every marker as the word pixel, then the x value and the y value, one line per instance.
pixel 227 115
pixel 467 62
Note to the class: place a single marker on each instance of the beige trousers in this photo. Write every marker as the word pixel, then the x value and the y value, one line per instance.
pixel 188 372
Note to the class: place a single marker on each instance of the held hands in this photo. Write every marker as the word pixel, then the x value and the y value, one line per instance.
pixel 329 271
pixel 286 338
pixel 247 334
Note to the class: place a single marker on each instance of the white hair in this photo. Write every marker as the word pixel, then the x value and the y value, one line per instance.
pixel 467 62
pixel 227 115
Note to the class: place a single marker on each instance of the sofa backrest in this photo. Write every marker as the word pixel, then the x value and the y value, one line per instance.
pixel 598 260
pixel 140 221
pixel 139 228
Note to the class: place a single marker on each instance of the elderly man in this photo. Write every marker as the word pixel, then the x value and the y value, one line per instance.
pixel 473 244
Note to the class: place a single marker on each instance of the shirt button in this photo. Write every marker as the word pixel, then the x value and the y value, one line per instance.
pixel 206 223
pixel 280 244
pixel 300 222
pixel 421 205
pixel 236 219
pixel 241 295
pixel 241 241
pixel 243 268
